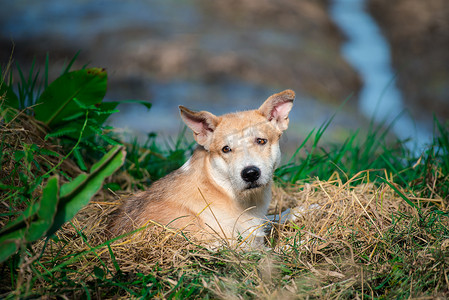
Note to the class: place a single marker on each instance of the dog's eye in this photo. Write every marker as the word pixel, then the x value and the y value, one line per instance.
pixel 261 141
pixel 226 149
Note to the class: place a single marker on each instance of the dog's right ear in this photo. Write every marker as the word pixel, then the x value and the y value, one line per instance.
pixel 202 123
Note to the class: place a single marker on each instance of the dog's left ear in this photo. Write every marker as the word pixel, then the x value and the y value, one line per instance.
pixel 277 107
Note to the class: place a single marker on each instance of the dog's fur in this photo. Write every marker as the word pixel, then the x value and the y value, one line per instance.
pixel 225 187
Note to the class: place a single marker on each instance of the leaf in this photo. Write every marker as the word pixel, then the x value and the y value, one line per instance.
pixel 7 113
pixel 72 61
pixel 113 186
pixel 57 102
pixel 33 223
pixel 79 159
pixel 46 212
pixel 76 194
pixel 72 125
pixel 6 250
pixel 9 102
pixel 107 109
pixel 109 140
pixel 48 152
pixel 98 272
pixel 8 96
pixel 65 131
pixel 80 114
pixel 21 221
pixel 57 206
pixel 409 202
pixel 114 261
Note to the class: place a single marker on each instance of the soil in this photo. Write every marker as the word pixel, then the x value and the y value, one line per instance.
pixel 418 32
pixel 286 43
pixel 219 56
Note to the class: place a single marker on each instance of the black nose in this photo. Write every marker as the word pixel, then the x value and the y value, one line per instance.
pixel 250 174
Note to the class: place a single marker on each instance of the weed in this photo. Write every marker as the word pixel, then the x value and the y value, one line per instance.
pixel 150 161
pixel 371 217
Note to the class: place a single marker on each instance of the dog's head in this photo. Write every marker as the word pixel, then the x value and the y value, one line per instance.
pixel 243 146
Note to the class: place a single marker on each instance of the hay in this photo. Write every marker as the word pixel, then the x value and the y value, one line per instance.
pixel 344 238
pixel 25 157
pixel 21 132
pixel 339 227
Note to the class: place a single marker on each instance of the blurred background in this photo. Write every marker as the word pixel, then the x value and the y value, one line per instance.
pixel 388 59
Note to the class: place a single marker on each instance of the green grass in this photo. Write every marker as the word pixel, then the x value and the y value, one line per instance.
pixel 410 256
pixel 372 152
pixel 151 160
pixel 382 231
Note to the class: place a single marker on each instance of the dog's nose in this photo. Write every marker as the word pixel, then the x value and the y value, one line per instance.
pixel 250 174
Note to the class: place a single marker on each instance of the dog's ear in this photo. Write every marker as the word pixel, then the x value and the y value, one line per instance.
pixel 277 107
pixel 202 123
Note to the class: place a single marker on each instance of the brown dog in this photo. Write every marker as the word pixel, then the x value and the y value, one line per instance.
pixel 225 187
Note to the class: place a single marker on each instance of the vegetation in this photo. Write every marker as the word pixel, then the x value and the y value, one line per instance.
pixel 372 219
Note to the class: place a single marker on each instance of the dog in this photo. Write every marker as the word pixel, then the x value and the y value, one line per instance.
pixel 224 189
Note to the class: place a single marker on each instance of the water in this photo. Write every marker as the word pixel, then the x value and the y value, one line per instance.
pixel 120 35
pixel 83 21
pixel 228 96
pixel 369 53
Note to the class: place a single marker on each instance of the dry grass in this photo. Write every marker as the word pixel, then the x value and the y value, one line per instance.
pixel 19 134
pixel 344 243
pixel 350 239
pixel 26 156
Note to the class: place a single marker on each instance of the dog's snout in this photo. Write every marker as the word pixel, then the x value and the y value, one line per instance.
pixel 250 174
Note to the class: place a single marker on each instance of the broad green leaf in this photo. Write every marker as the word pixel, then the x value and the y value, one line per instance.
pixel 55 207
pixel 57 102
pixel 77 193
pixel 117 150
pixel 46 212
pixel 33 223
pixel 6 250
